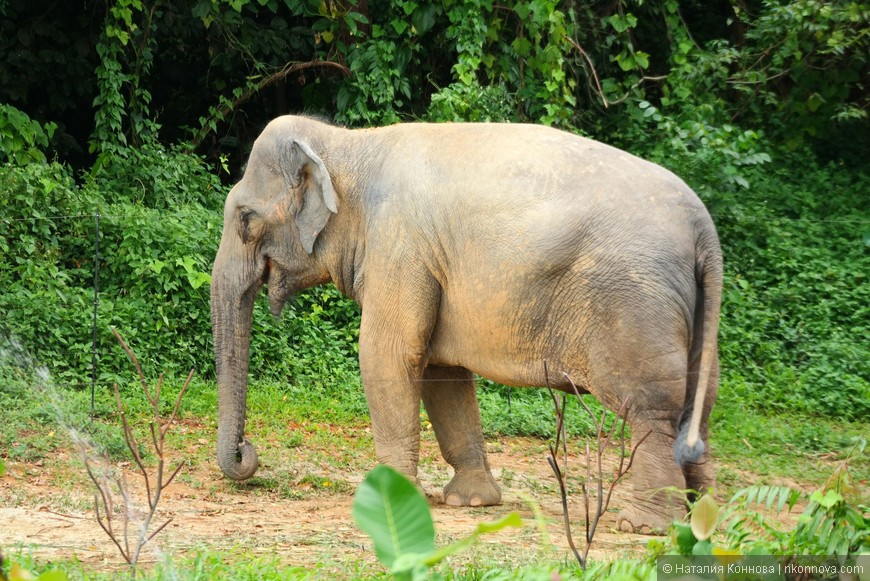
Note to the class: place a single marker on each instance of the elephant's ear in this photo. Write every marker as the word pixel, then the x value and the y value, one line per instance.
pixel 315 197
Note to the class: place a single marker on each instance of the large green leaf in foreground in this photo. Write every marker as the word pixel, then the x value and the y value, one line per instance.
pixel 394 514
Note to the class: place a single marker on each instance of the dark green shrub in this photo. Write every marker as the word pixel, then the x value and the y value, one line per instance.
pixel 795 312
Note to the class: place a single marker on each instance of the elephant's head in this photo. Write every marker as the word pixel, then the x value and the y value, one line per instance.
pixel 272 219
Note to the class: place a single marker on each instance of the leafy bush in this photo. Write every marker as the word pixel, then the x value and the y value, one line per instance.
pixel 153 260
pixel 44 245
pixel 160 223
pixel 795 309
pixel 158 177
pixel 22 140
pixel 460 102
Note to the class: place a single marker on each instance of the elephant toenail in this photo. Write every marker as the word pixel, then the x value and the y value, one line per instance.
pixel 475 501
pixel 453 500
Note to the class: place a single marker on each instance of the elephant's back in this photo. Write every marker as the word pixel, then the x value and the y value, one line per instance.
pixel 533 199
pixel 486 165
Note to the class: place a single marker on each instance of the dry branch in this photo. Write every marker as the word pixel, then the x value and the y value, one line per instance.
pixel 109 486
pixel 603 442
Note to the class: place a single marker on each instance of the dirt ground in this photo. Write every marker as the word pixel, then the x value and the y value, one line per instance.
pixel 49 514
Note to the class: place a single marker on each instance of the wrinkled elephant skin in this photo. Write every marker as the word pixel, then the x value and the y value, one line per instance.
pixel 482 249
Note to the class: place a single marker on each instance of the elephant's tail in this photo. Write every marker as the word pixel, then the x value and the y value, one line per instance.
pixel 708 272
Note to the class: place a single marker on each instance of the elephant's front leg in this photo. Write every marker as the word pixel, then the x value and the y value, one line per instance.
pixel 451 401
pixel 392 356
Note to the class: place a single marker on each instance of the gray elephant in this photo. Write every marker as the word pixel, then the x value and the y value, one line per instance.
pixel 482 249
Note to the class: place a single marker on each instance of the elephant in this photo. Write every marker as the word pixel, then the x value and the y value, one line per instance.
pixel 488 249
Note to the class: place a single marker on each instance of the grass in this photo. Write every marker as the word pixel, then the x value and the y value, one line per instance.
pixel 783 447
pixel 290 420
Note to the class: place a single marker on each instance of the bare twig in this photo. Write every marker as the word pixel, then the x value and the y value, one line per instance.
pixel 104 505
pixel 603 490
pixel 554 462
pixel 591 68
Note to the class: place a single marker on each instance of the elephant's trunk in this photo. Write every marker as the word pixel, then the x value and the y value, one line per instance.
pixel 232 309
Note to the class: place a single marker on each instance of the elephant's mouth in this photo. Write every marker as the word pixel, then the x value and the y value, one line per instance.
pixel 280 289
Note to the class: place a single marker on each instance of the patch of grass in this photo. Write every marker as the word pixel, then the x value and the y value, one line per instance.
pixel 205 565
pixel 789 446
pixel 326 484
pixel 528 412
pixel 342 402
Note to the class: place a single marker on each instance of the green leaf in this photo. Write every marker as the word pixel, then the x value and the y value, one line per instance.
pixel 642 59
pixel 400 26
pixel 394 514
pixel 830 498
pixel 683 538
pixel 704 516
pixel 424 18
pixel 510 520
pixel 814 102
pixel 622 23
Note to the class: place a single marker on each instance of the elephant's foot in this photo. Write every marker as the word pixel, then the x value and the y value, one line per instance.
pixel 472 488
pixel 700 477
pixel 647 521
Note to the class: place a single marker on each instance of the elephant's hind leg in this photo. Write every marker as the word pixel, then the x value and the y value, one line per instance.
pixel 450 399
pixel 657 480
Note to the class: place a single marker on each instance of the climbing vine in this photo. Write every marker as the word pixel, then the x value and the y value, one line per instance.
pixel 122 113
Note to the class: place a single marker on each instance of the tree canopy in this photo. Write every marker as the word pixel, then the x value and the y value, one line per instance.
pixel 210 73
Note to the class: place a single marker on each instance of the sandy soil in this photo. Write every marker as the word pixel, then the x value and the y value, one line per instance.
pixel 49 514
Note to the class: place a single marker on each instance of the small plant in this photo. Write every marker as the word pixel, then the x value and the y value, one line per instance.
pixel 594 484
pixel 110 484
pixel 397 518
pixel 829 525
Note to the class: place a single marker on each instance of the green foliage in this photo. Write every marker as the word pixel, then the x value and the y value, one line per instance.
pixel 791 69
pixel 22 140
pixel 160 178
pixel 160 223
pixel 126 53
pixel 796 294
pixel 831 523
pixel 155 259
pixel 506 62
pixel 390 509
pixel 41 246
pixel 473 103
pixel 378 86
pixel 805 60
